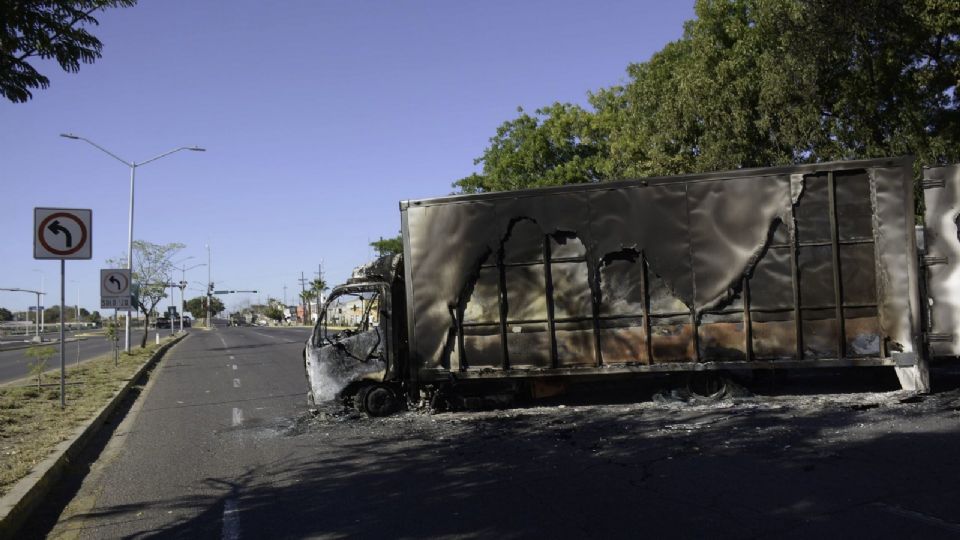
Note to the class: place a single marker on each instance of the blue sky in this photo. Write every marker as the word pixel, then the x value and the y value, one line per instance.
pixel 317 117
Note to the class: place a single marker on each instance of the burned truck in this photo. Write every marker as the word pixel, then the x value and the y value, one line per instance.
pixel 756 269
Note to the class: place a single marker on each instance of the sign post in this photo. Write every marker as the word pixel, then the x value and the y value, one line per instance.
pixel 62 233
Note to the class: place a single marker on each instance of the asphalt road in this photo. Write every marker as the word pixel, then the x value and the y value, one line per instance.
pixel 221 446
pixel 202 434
pixel 14 364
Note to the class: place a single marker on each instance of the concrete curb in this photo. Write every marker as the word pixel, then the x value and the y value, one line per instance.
pixel 26 495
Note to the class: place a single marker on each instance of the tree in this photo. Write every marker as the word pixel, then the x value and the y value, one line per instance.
pixel 559 145
pixel 318 285
pixel 51 315
pixel 94 317
pixel 387 246
pixel 308 296
pixel 152 270
pixel 273 310
pixel 5 315
pixel 754 83
pixel 39 355
pixel 757 83
pixel 195 306
pixel 49 29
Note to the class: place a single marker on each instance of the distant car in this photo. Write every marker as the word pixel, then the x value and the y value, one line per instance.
pixel 163 322
pixel 186 322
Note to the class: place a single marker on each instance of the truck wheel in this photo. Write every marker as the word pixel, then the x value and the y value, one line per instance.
pixel 379 400
pixel 706 385
pixel 360 398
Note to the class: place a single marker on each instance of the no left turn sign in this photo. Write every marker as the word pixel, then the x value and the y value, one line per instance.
pixel 62 233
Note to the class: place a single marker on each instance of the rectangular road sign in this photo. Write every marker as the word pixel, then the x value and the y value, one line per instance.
pixel 123 304
pixel 62 233
pixel 115 289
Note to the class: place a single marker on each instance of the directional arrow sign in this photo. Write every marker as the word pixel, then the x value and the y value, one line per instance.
pixel 115 289
pixel 62 233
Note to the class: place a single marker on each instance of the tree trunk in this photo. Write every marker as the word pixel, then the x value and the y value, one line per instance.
pixel 146 330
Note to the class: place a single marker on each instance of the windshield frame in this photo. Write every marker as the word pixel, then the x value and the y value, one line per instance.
pixel 320 330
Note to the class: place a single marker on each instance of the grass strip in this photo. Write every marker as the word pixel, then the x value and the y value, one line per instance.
pixel 32 423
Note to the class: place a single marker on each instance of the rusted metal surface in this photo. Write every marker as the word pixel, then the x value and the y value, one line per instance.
pixel 812 264
pixel 942 258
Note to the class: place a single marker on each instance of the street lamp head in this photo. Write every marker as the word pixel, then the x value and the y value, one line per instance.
pixel 69 136
pixel 196 149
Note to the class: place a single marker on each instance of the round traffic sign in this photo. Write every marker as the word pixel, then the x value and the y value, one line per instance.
pixel 115 282
pixel 51 224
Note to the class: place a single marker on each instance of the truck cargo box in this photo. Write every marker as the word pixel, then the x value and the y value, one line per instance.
pixel 800 266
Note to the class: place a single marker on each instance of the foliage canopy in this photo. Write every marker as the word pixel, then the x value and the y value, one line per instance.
pixel 46 29
pixel 754 83
pixel 388 246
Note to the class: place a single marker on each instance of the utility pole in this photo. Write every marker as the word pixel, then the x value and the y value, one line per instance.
pixel 320 277
pixel 303 296
pixel 284 295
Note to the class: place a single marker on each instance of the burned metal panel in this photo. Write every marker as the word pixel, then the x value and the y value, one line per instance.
pixel 447 246
pixel 730 222
pixel 565 266
pixel 942 258
pixel 643 219
pixel 897 288
pixel 332 367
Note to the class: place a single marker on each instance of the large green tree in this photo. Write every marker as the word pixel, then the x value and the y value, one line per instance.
pixel 754 83
pixel 5 315
pixel 195 306
pixel 46 29
pixel 557 145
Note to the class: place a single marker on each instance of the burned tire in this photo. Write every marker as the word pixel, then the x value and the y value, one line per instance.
pixel 360 398
pixel 706 385
pixel 378 400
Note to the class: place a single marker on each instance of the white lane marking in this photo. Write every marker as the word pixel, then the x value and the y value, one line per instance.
pixel 232 357
pixel 223 341
pixel 234 367
pixel 237 417
pixel 231 520
pixel 236 383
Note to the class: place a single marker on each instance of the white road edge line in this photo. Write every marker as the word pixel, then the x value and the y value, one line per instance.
pixel 237 416
pixel 231 520
pixel 236 383
pixel 234 367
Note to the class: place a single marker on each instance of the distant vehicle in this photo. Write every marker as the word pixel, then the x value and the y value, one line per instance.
pixel 163 322
pixel 756 269
pixel 186 321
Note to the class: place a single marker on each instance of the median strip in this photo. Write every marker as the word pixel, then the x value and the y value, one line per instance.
pixel 38 439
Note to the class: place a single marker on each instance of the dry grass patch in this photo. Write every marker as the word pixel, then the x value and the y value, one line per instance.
pixel 32 423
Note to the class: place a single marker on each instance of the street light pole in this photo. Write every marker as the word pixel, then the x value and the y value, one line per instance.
pixel 133 172
pixel 39 294
pixel 183 286
pixel 209 287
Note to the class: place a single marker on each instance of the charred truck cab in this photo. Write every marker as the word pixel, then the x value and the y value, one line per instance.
pixel 804 266
pixel 353 353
